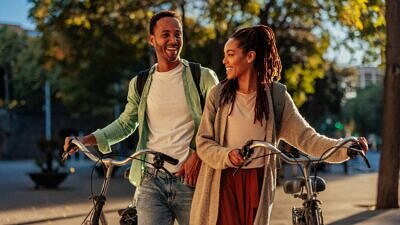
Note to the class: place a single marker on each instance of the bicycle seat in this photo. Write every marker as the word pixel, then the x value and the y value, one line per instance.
pixel 295 185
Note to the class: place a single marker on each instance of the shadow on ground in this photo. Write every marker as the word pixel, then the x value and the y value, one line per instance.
pixel 363 217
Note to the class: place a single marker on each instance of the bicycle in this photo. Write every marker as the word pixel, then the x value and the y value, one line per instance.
pixel 311 212
pixel 96 214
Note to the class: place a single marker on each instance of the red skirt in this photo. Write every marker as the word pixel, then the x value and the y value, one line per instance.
pixel 239 196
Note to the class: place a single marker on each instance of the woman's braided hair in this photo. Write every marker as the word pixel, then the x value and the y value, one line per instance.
pixel 267 64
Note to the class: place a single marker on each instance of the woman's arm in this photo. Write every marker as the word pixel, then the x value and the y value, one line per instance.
pixel 208 148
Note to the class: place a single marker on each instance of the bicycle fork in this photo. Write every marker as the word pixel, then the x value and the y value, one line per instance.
pixel 310 213
pixel 100 200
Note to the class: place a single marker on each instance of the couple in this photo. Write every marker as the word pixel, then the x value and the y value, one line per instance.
pixel 169 115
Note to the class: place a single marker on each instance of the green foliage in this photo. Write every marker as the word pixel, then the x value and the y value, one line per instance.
pixel 98 46
pixel 326 100
pixel 366 110
pixel 29 72
pixel 361 20
pixel 12 42
pixel 304 33
pixel 215 21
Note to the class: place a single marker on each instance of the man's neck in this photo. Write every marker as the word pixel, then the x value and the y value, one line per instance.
pixel 167 66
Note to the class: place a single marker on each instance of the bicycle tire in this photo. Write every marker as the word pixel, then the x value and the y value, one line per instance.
pixel 314 217
pixel 103 219
pixel 298 217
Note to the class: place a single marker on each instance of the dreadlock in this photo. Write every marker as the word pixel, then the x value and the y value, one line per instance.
pixel 261 40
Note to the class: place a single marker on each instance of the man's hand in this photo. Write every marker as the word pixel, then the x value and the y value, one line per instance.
pixel 69 147
pixel 235 157
pixel 88 140
pixel 190 169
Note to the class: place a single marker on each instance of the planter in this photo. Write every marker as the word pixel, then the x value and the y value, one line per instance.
pixel 48 179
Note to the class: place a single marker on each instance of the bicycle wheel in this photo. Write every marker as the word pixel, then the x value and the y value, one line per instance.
pixel 103 220
pixel 298 217
pixel 314 217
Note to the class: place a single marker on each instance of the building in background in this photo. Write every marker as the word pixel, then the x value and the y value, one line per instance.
pixel 364 76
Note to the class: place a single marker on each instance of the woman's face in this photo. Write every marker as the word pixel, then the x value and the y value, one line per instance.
pixel 236 61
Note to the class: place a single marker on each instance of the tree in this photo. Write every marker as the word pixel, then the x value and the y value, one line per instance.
pixel 326 100
pixel 98 46
pixel 106 42
pixel 388 181
pixel 304 31
pixel 365 110
pixel 13 41
pixel 29 71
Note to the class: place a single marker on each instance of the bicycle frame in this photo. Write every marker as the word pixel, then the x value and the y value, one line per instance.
pixel 109 165
pixel 310 213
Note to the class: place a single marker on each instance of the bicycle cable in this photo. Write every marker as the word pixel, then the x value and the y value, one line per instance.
pixel 320 161
pixel 100 157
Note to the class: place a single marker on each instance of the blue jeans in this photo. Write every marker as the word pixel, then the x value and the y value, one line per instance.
pixel 162 199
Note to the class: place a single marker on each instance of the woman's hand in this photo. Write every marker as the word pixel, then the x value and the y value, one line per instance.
pixel 235 157
pixel 362 141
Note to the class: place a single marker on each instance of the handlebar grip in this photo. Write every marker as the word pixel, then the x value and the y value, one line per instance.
pixel 169 159
pixel 246 151
pixel 66 153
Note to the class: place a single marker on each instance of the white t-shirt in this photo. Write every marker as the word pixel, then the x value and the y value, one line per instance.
pixel 241 127
pixel 171 126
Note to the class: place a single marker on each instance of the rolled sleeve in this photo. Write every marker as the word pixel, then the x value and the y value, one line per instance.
pixel 102 142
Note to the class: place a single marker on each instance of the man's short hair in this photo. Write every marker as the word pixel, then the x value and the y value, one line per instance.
pixel 156 17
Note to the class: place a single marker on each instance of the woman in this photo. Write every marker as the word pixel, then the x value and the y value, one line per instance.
pixel 239 109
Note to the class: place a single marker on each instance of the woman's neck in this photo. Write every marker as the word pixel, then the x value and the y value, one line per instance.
pixel 247 83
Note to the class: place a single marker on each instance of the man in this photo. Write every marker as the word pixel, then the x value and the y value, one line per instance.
pixel 168 113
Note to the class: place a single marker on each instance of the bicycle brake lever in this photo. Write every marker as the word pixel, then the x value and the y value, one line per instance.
pixel 245 163
pixel 362 154
pixel 237 170
pixel 364 157
pixel 65 154
pixel 246 153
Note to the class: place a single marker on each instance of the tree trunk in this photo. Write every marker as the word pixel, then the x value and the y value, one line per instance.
pixel 388 182
pixel 186 38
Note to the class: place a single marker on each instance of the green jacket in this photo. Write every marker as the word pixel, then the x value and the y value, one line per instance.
pixel 135 111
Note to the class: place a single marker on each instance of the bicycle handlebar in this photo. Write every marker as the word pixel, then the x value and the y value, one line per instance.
pixel 248 148
pixel 109 161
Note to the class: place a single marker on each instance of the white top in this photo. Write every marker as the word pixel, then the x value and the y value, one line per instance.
pixel 241 127
pixel 170 122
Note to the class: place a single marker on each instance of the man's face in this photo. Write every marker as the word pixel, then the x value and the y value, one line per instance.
pixel 167 40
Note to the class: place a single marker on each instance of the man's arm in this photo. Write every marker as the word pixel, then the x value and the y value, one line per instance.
pixel 88 140
pixel 191 167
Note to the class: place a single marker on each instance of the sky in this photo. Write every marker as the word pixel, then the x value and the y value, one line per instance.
pixel 16 12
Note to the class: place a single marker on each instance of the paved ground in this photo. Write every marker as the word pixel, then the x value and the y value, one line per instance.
pixel 349 199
